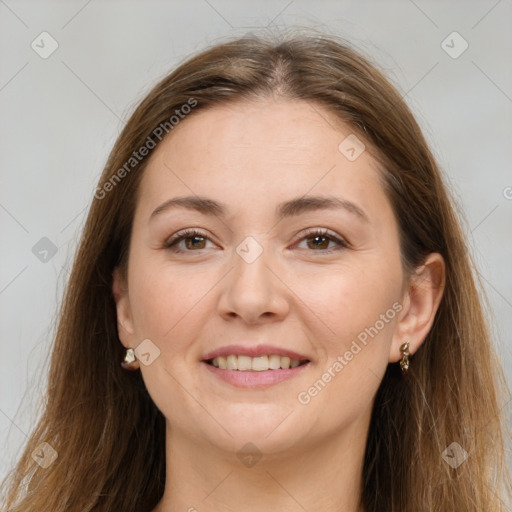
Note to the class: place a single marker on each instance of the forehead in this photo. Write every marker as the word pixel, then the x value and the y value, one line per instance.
pixel 262 151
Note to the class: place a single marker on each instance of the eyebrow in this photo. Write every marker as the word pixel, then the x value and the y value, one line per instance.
pixel 293 207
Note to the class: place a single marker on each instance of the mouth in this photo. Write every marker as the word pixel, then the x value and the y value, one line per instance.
pixel 243 363
pixel 255 373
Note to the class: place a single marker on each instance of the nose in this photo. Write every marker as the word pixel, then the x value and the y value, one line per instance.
pixel 253 292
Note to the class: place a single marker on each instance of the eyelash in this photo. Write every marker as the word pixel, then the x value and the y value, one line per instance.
pixel 191 233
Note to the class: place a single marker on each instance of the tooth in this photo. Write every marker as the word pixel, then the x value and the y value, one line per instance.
pixel 260 363
pixel 274 362
pixel 244 363
pixel 257 364
pixel 285 363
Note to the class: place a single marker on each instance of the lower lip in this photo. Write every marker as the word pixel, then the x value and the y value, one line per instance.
pixel 253 379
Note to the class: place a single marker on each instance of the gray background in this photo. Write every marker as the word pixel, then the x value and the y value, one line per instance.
pixel 60 117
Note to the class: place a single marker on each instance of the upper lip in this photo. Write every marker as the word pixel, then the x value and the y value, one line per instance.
pixel 253 351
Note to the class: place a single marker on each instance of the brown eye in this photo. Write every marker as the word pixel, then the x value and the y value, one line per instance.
pixel 193 241
pixel 197 242
pixel 319 240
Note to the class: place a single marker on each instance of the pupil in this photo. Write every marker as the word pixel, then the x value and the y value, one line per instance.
pixel 319 238
pixel 190 245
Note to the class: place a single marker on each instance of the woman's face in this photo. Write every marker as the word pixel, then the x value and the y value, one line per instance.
pixel 257 273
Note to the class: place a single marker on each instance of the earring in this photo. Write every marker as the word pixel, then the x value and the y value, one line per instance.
pixel 404 362
pixel 130 361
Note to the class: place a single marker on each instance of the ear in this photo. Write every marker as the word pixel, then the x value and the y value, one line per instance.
pixel 420 303
pixel 124 313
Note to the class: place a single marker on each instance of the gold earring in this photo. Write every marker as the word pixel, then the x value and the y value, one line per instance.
pixel 404 362
pixel 130 361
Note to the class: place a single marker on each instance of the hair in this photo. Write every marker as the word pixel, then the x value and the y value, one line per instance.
pixel 100 419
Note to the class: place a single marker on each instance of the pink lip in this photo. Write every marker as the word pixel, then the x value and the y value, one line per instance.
pixel 254 351
pixel 254 379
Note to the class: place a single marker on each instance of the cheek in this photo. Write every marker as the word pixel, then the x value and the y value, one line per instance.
pixel 360 307
pixel 354 298
pixel 163 300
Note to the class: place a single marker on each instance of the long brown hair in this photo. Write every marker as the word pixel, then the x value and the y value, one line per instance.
pixel 107 432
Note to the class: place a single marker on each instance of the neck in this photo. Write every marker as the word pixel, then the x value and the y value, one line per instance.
pixel 325 475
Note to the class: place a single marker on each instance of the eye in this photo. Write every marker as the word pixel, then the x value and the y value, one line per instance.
pixel 194 240
pixel 320 239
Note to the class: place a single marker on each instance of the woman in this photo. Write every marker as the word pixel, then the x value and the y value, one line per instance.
pixel 273 257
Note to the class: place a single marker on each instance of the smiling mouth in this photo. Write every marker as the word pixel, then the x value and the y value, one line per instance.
pixel 255 364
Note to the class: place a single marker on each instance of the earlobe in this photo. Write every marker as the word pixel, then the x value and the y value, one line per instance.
pixel 123 309
pixel 420 304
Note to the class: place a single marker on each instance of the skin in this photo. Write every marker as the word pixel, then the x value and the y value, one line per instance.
pixel 252 156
